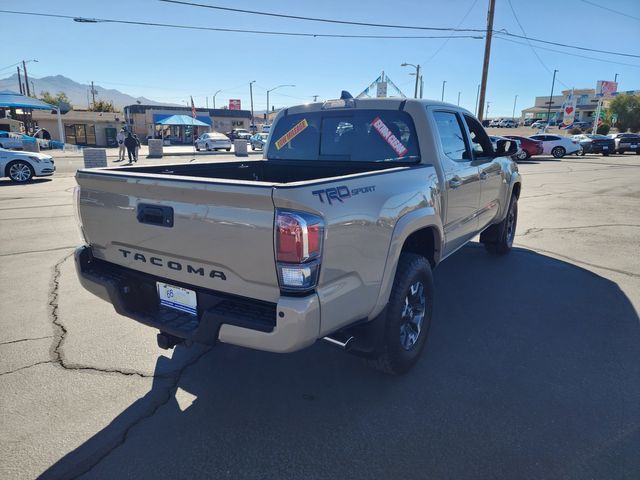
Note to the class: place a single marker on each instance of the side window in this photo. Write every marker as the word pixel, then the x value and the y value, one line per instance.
pixel 480 141
pixel 451 136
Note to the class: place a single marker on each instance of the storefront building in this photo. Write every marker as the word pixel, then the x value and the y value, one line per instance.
pixel 82 127
pixel 143 121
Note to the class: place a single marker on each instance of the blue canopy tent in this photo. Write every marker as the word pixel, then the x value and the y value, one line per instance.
pixel 9 99
pixel 181 121
pixel 184 120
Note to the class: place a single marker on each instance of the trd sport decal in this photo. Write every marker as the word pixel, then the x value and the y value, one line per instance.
pixel 339 194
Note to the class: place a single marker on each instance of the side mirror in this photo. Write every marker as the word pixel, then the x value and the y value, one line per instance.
pixel 506 148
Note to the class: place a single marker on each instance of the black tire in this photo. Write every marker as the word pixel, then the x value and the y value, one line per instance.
pixel 582 152
pixel 605 154
pixel 400 346
pixel 558 152
pixel 228 149
pixel 20 171
pixel 498 238
pixel 197 149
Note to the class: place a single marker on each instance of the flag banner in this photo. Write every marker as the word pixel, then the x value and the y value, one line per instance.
pixel 605 88
pixel 569 110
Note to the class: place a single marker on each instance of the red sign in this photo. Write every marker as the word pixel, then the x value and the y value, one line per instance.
pixel 389 137
pixel 234 104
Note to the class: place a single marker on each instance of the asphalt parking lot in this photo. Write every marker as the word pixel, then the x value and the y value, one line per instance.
pixel 532 368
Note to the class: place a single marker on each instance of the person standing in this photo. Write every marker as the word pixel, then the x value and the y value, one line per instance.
pixel 121 148
pixel 138 145
pixel 131 144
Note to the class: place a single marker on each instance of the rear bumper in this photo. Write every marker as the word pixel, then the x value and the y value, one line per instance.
pixel 291 324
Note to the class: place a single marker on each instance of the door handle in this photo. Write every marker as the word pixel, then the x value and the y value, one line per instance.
pixel 455 182
pixel 483 175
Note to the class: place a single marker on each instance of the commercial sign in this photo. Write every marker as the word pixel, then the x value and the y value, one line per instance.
pixel 234 104
pixel 605 88
pixel 569 110
pixel 381 91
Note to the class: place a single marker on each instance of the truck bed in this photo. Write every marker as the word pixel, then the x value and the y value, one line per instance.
pixel 269 171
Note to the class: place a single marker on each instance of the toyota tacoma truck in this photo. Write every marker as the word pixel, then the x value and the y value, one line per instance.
pixel 332 235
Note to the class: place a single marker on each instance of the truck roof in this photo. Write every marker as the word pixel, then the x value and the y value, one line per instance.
pixel 382 103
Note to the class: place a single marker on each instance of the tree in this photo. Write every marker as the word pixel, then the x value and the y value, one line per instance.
pixel 102 106
pixel 603 129
pixel 56 99
pixel 627 108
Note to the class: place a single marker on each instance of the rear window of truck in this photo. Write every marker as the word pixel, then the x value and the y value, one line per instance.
pixel 355 135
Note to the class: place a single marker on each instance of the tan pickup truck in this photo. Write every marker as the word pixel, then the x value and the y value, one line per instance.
pixel 332 235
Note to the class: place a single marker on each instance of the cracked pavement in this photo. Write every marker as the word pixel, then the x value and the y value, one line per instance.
pixel 542 383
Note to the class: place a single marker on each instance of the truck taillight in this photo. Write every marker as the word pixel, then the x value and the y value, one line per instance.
pixel 298 249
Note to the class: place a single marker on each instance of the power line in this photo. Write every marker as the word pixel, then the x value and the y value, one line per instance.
pixel 316 19
pixel 625 14
pixel 232 30
pixel 529 43
pixel 385 25
pixel 444 44
pixel 569 53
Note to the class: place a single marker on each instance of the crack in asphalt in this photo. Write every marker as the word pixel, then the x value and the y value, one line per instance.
pixel 582 262
pixel 170 393
pixel 25 340
pixel 529 231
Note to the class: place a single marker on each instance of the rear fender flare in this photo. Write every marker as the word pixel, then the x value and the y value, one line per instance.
pixel 405 226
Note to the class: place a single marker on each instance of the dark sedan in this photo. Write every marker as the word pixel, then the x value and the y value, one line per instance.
pixel 528 146
pixel 626 142
pixel 595 144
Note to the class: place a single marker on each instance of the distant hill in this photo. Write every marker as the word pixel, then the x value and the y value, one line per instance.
pixel 77 92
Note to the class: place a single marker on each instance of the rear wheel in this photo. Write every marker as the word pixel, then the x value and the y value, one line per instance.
pixel 499 238
pixel 523 155
pixel 408 316
pixel 20 171
pixel 581 152
pixel 208 147
pixel 228 149
pixel 558 152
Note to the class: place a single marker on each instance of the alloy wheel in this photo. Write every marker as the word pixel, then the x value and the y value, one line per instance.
pixel 413 314
pixel 20 172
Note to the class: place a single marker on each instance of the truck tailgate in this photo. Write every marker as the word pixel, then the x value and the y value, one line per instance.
pixel 220 235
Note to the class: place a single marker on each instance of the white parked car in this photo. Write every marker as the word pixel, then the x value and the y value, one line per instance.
pixel 213 141
pixel 21 167
pixel 508 123
pixel 556 145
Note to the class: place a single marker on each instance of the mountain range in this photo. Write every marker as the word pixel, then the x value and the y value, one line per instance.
pixel 79 93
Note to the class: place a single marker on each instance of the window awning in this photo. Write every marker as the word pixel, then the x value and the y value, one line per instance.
pixel 181 120
pixel 10 99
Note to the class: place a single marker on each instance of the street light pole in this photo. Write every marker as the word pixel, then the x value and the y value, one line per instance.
pixel 616 78
pixel 459 98
pixel 477 97
pixel 513 114
pixel 443 83
pixel 553 82
pixel 271 90
pixel 417 67
pixel 214 98
pixel 251 95
pixel 486 115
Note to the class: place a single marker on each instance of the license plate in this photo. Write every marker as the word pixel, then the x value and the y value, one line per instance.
pixel 178 298
pixel 605 148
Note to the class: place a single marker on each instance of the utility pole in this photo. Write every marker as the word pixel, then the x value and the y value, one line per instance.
pixel 443 83
pixel 315 98
pixel 93 95
pixel 513 114
pixel 487 56
pixel 553 82
pixel 251 95
pixel 421 85
pixel 26 77
pixel 417 81
pixel 20 82
pixel 459 98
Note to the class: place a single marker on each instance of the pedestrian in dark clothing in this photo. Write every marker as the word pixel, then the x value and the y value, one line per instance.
pixel 131 145
pixel 138 145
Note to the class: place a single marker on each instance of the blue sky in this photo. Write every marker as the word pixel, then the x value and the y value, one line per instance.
pixel 170 65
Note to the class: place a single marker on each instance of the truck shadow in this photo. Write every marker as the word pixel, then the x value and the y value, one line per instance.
pixel 532 370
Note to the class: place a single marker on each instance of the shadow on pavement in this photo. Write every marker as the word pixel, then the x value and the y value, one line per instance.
pixel 532 370
pixel 5 182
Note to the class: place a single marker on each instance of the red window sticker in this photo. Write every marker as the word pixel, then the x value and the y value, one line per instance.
pixel 389 137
